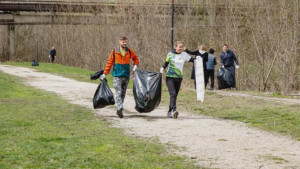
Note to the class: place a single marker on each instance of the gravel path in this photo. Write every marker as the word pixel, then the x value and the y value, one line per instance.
pixel 211 142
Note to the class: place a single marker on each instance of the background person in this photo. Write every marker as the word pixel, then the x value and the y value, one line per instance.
pixel 175 60
pixel 210 66
pixel 202 53
pixel 119 59
pixel 227 61
pixel 52 54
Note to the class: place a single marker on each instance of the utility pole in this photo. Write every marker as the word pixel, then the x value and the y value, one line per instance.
pixel 172 26
pixel 37 51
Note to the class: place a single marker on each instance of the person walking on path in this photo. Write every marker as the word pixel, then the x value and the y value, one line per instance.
pixel 227 61
pixel 202 53
pixel 119 59
pixel 210 66
pixel 175 60
pixel 52 54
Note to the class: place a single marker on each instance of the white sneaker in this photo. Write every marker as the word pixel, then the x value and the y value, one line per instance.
pixel 175 114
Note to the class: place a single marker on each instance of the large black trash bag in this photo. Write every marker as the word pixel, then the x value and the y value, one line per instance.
pixel 225 78
pixel 146 90
pixel 103 96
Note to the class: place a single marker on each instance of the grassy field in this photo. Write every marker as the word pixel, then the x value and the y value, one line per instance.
pixel 40 130
pixel 267 115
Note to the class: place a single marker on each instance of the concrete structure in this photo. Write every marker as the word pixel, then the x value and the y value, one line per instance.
pixel 45 13
pixel 63 12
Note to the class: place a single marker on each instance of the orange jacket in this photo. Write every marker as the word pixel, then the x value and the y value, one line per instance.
pixel 121 65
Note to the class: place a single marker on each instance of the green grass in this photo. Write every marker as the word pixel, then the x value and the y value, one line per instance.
pixel 40 130
pixel 267 115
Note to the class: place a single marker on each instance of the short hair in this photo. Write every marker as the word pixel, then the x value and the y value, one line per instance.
pixel 202 47
pixel 225 45
pixel 122 38
pixel 211 51
pixel 177 43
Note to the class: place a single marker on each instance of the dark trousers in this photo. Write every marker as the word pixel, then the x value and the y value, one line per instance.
pixel 232 72
pixel 234 83
pixel 210 74
pixel 52 58
pixel 173 85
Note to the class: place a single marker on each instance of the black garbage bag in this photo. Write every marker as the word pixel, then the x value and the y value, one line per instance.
pixel 103 96
pixel 225 78
pixel 35 63
pixel 146 90
pixel 96 75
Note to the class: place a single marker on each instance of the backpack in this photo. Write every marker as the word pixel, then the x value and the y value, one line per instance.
pixel 35 63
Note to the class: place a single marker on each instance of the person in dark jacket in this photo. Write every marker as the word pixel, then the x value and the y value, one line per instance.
pixel 202 53
pixel 210 66
pixel 52 54
pixel 227 61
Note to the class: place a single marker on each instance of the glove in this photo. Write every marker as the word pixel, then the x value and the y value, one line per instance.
pixel 134 67
pixel 161 70
pixel 198 57
pixel 102 77
pixel 223 66
pixel 237 66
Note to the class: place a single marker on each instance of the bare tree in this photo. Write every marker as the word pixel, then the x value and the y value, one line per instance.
pixel 264 34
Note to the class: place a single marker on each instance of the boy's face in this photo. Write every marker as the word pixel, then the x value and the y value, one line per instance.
pixel 123 43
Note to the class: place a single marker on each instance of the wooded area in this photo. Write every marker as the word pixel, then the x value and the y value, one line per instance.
pixel 264 34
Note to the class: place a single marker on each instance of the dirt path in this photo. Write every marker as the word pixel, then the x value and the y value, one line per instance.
pixel 211 142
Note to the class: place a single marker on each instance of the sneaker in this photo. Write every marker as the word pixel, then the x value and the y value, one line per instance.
pixel 175 114
pixel 233 89
pixel 211 88
pixel 120 113
pixel 169 114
